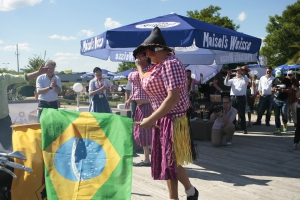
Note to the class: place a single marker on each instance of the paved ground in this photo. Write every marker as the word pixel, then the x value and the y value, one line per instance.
pixel 260 165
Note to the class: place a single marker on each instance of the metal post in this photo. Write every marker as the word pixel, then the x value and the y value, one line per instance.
pixel 17 53
pixel 78 99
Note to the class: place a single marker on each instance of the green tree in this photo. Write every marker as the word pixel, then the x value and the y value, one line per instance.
pixel 125 66
pixel 212 15
pixel 283 32
pixel 34 64
pixel 296 58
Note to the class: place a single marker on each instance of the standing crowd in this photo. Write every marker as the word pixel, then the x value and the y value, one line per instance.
pixel 278 93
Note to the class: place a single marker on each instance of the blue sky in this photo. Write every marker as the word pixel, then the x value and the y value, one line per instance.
pixel 57 26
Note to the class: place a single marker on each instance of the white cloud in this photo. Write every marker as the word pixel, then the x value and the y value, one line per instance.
pixel 242 16
pixel 62 37
pixel 86 32
pixel 52 1
pixel 7 5
pixel 67 54
pixel 1 41
pixel 109 23
pixel 21 46
pixel 65 58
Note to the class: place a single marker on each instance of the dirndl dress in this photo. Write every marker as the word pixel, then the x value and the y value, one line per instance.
pixel 143 137
pixel 99 104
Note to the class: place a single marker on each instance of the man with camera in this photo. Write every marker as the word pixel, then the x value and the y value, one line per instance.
pixel 223 116
pixel 219 82
pixel 281 87
pixel 238 93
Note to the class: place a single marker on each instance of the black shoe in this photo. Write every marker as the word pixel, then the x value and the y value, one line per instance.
pixel 245 132
pixel 256 124
pixel 237 127
pixel 195 196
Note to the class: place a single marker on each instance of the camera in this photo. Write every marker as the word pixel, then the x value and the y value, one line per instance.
pixel 218 108
pixel 278 87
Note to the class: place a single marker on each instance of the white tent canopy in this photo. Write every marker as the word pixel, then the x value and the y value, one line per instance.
pixel 208 71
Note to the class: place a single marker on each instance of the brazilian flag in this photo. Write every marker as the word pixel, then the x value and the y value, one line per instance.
pixel 86 155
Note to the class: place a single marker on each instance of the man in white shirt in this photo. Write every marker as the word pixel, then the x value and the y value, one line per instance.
pixel 265 97
pixel 238 94
pixel 48 87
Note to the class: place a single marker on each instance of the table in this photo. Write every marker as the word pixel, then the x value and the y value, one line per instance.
pixel 201 129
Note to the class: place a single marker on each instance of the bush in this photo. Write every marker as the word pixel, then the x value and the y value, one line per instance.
pixel 15 96
pixel 68 94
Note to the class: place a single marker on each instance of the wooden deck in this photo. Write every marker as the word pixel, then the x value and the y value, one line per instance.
pixel 259 165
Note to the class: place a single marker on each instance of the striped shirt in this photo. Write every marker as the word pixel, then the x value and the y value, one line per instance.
pixel 137 90
pixel 168 75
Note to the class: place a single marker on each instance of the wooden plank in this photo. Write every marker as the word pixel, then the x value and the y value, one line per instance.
pixel 260 165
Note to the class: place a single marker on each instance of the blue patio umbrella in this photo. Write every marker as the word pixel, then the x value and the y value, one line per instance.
pixel 195 42
pixel 123 74
pixel 91 74
pixel 286 68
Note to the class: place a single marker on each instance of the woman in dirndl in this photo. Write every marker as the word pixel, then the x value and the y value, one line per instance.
pixel 143 137
pixel 97 92
pixel 165 84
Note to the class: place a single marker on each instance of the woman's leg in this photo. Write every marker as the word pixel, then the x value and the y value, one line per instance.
pixel 146 154
pixel 249 119
pixel 183 177
pixel 173 184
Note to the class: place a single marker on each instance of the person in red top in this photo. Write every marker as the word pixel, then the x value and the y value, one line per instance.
pixel 166 87
pixel 143 109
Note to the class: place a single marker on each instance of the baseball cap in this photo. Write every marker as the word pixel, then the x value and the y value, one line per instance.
pixel 225 66
pixel 278 73
pixel 290 72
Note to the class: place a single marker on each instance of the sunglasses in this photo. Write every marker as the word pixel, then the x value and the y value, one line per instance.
pixel 290 74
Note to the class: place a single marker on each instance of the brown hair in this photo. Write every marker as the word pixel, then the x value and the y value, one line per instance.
pixel 227 97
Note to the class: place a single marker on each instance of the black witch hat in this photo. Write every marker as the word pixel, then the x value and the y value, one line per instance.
pixel 155 42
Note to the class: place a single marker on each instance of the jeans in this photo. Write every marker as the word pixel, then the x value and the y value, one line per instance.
pixel 239 103
pixel 292 108
pixel 45 104
pixel 297 131
pixel 280 106
pixel 6 133
pixel 265 103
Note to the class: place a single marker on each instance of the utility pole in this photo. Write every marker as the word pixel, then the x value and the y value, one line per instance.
pixel 17 53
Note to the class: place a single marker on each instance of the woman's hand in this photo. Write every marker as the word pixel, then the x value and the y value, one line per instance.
pixel 146 123
pixel 127 103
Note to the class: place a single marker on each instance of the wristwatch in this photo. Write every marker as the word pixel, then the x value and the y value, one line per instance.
pixel 50 87
pixel 221 91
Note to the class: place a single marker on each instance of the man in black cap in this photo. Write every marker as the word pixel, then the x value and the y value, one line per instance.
pixel 166 86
